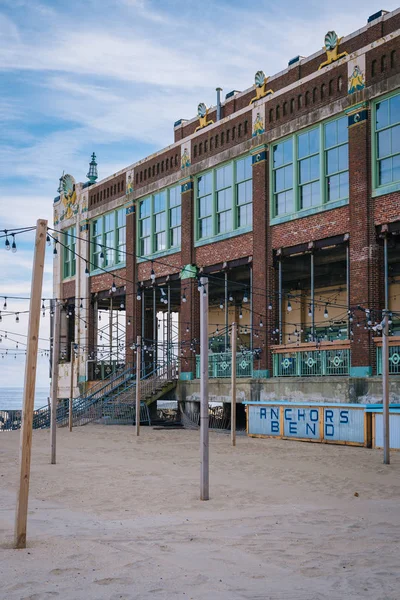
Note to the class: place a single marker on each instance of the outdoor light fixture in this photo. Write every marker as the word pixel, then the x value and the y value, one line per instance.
pixel 240 314
pixel 14 245
pixel 221 305
pixel 152 274
pixel 48 240
pixel 230 298
pixel 261 323
pixel 289 307
pixel 309 311
pixel 184 297
pixel 113 287
pixel 326 312
pixel 270 306
pixel 86 269
pixel 245 298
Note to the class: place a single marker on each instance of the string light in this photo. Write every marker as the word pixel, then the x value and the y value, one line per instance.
pixel 48 240
pixel 7 242
pixel 326 312
pixel 289 307
pixel 14 245
pixel 113 287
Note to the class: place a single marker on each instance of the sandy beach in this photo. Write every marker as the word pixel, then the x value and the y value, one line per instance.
pixel 119 518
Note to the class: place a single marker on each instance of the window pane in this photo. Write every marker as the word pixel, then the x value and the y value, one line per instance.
pixel 310 195
pixel 385 171
pixel 245 215
pixel 344 185
pixel 175 236
pixel 288 152
pixel 243 169
pixel 145 227
pixel 224 176
pixel 284 202
pixel 384 143
pixel 175 196
pixel 244 192
pixel 303 147
pixel 175 216
pixel 331 134
pixel 204 184
pixel 224 199
pixel 333 187
pixel 332 161
pixel 97 226
pixel 314 141
pixel 314 167
pixel 343 131
pixel 159 202
pixel 159 222
pixel 109 222
pixel 343 157
pixel 395 139
pixel 145 246
pixel 144 208
pixel 394 109
pixel 225 221
pixel 382 114
pixel 121 218
pixel 205 206
pixel 396 168
pixel 160 241
pixel 278 155
pixel 205 229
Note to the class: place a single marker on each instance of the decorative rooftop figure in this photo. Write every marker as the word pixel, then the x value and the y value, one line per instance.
pixel 260 83
pixel 92 175
pixel 331 48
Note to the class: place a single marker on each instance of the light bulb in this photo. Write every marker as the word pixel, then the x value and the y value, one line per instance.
pixel 289 307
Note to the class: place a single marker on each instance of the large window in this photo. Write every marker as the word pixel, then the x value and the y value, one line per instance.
pixel 311 169
pixel 108 237
pixel 387 141
pixel 69 256
pixel 224 199
pixel 159 222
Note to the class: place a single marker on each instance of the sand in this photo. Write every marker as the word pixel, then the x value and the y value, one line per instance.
pixel 119 518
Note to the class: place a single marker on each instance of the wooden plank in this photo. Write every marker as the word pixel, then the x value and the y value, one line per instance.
pixel 21 515
pixel 54 382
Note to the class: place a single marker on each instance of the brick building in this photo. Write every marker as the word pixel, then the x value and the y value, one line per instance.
pixel 287 197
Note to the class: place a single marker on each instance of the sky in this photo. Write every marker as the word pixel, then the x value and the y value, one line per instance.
pixel 112 76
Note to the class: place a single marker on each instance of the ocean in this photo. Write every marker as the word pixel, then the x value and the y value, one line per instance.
pixel 11 398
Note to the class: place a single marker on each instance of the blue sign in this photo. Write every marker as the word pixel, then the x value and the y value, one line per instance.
pixel 321 422
pixel 345 425
pixel 299 422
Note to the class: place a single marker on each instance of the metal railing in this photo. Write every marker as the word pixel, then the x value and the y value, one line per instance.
pixel 394 360
pixel 311 363
pixel 102 369
pixel 220 365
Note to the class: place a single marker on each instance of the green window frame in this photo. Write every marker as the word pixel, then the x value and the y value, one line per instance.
pixel 309 170
pixel 69 256
pixel 108 240
pixel 224 198
pixel 159 222
pixel 386 142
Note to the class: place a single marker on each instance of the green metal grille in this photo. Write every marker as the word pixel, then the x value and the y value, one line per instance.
pixel 220 365
pixel 394 360
pixel 313 363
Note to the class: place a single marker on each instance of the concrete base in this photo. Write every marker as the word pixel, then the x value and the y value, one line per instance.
pixel 367 390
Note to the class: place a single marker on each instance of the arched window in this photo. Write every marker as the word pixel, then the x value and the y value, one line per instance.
pixel 176 160
pixel 149 172
pixel 233 134
pixel 141 176
pixel 277 112
pixel 137 181
pixel 145 174
pixel 162 166
pixel 315 94
pixel 322 91
pixel 331 87
pixel 307 98
pixel 383 63
pixel 216 140
pixel 211 143
pixel 228 133
pixel 240 130
pixel 339 83
pixel 299 101
pixel 222 138
pixel 393 59
pixel 271 115
pixel 246 126
pixel 373 68
pixel 158 168
pixel 200 148
pixel 154 170
pixel 284 111
pixel 292 106
pixel 115 189
pixel 205 145
pixel 101 195
pixel 195 151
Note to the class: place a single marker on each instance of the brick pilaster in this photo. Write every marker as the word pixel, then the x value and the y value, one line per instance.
pixel 262 260
pixel 365 288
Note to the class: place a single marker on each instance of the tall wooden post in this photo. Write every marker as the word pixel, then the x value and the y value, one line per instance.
pixel 21 515
pixel 138 357
pixel 71 387
pixel 54 382
pixel 385 383
pixel 204 438
pixel 233 398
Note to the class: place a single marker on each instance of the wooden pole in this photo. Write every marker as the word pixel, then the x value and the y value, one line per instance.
pixel 21 514
pixel 233 398
pixel 204 438
pixel 138 357
pixel 71 387
pixel 385 383
pixel 54 382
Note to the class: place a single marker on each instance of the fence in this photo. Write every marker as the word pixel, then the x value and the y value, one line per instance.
pixel 394 360
pixel 311 363
pixel 220 365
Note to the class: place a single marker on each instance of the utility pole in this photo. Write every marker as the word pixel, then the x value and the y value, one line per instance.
pixel 138 357
pixel 385 384
pixel 21 513
pixel 71 386
pixel 204 438
pixel 233 397
pixel 54 382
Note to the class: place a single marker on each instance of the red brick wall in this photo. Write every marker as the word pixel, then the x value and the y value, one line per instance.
pixel 231 249
pixel 314 227
pixel 99 283
pixel 387 208
pixel 68 289
pixel 102 193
